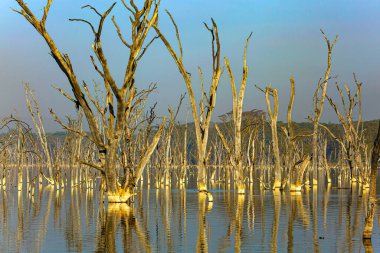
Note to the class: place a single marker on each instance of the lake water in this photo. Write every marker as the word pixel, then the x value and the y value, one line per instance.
pixel 174 220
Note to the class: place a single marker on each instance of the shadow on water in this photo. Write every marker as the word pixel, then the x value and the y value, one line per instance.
pixel 43 219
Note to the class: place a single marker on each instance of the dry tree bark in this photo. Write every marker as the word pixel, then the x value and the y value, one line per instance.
pixel 289 137
pixel 169 131
pixel 368 224
pixel 298 171
pixel 14 143
pixel 353 142
pixel 251 152
pixel 202 118
pixel 37 121
pixel 237 109
pixel 319 100
pixel 269 92
pixel 325 161
pixel 118 99
pixel 276 151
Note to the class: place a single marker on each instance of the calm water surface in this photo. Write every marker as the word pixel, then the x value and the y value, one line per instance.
pixel 175 220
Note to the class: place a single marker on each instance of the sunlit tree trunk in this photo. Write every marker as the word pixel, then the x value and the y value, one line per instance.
pixel 319 100
pixel 368 224
pixel 34 111
pixel 115 113
pixel 202 118
pixel 273 120
pixel 298 173
pixel 352 141
pixel 237 109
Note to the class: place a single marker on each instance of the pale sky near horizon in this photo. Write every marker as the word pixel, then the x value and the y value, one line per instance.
pixel 286 41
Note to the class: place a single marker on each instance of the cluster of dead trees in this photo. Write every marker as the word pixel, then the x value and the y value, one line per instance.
pixel 126 139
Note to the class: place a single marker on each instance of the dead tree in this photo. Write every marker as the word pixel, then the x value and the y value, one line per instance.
pixel 368 224
pixel 353 139
pixel 319 101
pixel 237 111
pixel 269 92
pixel 298 171
pixel 202 118
pixel 293 172
pixel 169 131
pixel 119 97
pixel 15 133
pixel 35 113
pixel 289 136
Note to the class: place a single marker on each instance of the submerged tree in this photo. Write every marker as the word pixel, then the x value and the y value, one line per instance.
pixel 273 115
pixel 353 143
pixel 368 224
pixel 236 158
pixel 319 100
pixel 202 118
pixel 119 98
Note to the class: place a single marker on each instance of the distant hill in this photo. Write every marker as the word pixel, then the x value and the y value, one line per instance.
pixel 253 119
pixel 300 128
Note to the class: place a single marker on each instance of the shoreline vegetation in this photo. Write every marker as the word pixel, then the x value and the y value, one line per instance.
pixel 128 144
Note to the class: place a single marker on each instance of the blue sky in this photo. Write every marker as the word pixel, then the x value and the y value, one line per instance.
pixel 286 41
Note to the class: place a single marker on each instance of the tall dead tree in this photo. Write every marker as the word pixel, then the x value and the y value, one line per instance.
pixel 276 150
pixel 289 135
pixel 169 131
pixel 368 224
pixel 273 115
pixel 119 97
pixel 295 168
pixel 353 140
pixel 319 101
pixel 35 114
pixel 202 118
pixel 237 112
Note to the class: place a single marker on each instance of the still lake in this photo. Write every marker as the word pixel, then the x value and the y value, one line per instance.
pixel 323 219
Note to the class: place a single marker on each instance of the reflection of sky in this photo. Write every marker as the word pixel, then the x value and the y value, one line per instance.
pixel 286 41
pixel 73 221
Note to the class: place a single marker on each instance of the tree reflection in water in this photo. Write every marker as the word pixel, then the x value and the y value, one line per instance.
pixel 41 218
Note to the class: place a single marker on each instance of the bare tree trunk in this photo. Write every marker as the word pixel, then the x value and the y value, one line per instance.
pixel 202 118
pixel 115 113
pixel 368 224
pixel 237 157
pixel 37 120
pixel 319 100
pixel 299 173
pixel 325 162
pixel 352 141
pixel 273 117
pixel 289 137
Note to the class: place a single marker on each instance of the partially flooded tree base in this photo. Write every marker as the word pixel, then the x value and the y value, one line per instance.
pixel 368 224
pixel 295 188
pixel 121 196
pixel 202 187
pixel 366 185
pixel 241 188
pixel 277 184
